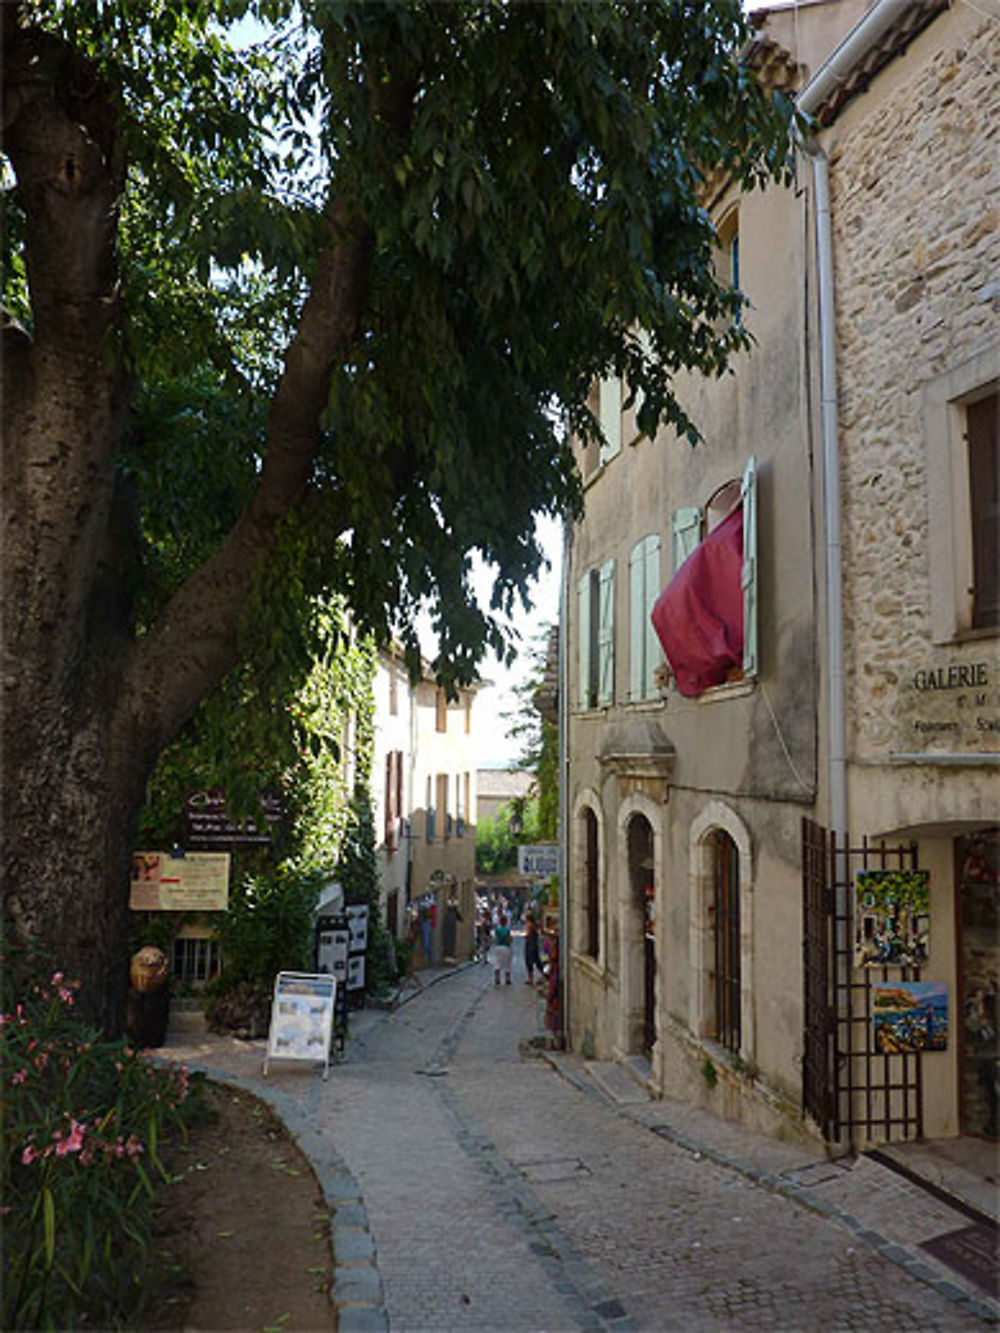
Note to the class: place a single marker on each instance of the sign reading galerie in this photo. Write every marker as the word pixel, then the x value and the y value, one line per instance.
pixel 955 704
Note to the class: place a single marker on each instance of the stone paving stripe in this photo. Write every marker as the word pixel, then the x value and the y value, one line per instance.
pixel 357 1286
pixel 352 1245
pixel 362 1319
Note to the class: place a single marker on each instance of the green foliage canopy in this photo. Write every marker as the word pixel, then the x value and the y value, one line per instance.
pixel 312 315
pixel 528 178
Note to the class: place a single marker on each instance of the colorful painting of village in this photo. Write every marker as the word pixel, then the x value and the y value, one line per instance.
pixel 892 918
pixel 910 1016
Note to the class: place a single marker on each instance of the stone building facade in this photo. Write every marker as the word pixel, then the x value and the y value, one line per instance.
pixel 424 798
pixel 688 861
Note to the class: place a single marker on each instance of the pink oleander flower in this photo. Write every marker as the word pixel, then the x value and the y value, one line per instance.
pixel 20 1077
pixel 29 1154
pixel 134 1147
pixel 65 995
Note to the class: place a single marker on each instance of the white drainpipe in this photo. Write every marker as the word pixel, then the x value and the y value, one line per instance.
pixel 563 746
pixel 831 75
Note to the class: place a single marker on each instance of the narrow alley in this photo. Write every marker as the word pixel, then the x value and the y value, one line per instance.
pixel 479 1186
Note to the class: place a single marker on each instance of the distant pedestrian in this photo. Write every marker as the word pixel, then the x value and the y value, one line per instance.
pixel 531 959
pixel 501 950
pixel 484 930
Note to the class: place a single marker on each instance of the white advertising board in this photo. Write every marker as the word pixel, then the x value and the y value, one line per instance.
pixel 357 920
pixel 301 1018
pixel 540 861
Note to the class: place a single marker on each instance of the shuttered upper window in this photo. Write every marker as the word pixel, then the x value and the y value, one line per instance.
pixel 596 627
pixel 610 415
pixel 692 523
pixel 644 588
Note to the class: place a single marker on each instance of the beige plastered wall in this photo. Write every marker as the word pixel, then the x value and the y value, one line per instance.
pixel 746 755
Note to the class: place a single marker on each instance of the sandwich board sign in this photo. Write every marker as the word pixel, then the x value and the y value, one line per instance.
pixel 301 1018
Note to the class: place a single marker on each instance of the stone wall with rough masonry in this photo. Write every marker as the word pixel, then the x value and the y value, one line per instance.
pixel 915 184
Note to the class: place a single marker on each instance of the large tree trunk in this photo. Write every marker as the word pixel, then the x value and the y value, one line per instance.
pixel 86 706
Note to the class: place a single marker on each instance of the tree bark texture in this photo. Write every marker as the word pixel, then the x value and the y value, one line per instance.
pixel 87 706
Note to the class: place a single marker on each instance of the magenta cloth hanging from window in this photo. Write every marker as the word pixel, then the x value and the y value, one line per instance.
pixel 698 617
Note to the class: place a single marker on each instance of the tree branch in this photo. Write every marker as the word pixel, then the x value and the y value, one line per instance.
pixel 195 641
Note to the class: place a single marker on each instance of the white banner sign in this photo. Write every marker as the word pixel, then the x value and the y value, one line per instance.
pixel 301 1018
pixel 540 861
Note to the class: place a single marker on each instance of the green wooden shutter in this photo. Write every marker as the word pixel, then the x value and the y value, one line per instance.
pixel 584 631
pixel 686 528
pixel 610 413
pixel 606 634
pixel 748 490
pixel 645 340
pixel 654 653
pixel 637 620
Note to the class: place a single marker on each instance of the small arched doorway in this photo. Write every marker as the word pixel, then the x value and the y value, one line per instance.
pixel 643 898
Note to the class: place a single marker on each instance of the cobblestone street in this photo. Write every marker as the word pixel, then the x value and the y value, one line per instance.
pixel 478 1189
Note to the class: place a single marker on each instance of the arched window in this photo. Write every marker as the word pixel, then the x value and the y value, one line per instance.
pixel 724 910
pixel 592 893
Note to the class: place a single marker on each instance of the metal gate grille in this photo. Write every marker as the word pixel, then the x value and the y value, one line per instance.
pixel 851 1090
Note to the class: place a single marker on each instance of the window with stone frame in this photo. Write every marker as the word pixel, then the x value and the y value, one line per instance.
pixel 982 438
pixel 961 410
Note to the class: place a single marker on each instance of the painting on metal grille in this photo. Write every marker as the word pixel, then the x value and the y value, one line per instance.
pixel 910 1016
pixel 892 918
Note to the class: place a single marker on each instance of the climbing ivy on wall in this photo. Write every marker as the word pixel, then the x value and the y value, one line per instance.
pixel 306 732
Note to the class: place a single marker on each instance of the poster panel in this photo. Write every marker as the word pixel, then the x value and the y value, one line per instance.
pixel 195 882
pixel 910 1016
pixel 356 972
pixel 332 950
pixel 301 1018
pixel 357 921
pixel 892 918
